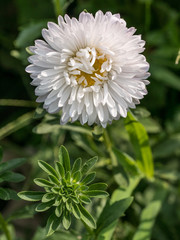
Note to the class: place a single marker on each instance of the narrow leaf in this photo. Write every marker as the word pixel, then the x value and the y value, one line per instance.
pixel 53 223
pixel 89 178
pixel 84 199
pixel 47 168
pixel 31 195
pixel 48 197
pixel 77 176
pixel 97 193
pixel 66 220
pixel 140 142
pixel 87 217
pixel 64 158
pixel 41 207
pixel 53 179
pixel 76 212
pixel 58 210
pixel 88 165
pixel 76 166
pixel 43 182
pixel 60 169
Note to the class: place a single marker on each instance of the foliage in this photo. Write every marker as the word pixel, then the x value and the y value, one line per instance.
pixel 138 157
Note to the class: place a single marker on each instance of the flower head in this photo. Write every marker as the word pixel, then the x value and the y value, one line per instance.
pixel 91 68
pixel 66 191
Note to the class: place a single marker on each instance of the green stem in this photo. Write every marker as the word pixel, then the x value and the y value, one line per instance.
pixel 17 103
pixel 5 228
pixel 57 7
pixel 107 141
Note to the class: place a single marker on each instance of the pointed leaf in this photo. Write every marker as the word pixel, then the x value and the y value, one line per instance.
pixel 84 199
pixel 64 158
pixel 87 217
pixel 60 169
pixel 66 220
pixel 31 195
pixel 76 166
pixel 47 168
pixel 54 180
pixel 53 223
pixel 41 207
pixel 76 212
pixel 77 176
pixel 11 177
pixel 140 142
pixel 98 186
pixel 43 182
pixel 58 210
pixel 97 193
pixel 48 197
pixel 89 178
pixel 88 165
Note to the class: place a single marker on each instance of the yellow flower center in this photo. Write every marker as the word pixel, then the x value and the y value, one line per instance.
pixel 89 67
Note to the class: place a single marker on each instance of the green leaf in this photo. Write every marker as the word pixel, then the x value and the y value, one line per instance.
pixel 43 182
pixel 97 193
pixel 58 210
pixel 53 223
pixel 84 199
pixel 87 217
pixel 89 178
pixel 64 159
pixel 112 212
pixel 31 195
pixel 11 164
pixel 7 194
pixel 48 197
pixel 41 207
pixel 47 168
pixel 76 212
pixel 140 142
pixel 88 165
pixel 98 186
pixel 77 176
pixel 76 166
pixel 66 220
pixel 128 163
pixel 53 179
pixel 11 177
pixel 60 169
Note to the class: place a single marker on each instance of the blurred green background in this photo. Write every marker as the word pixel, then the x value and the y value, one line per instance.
pixel 159 23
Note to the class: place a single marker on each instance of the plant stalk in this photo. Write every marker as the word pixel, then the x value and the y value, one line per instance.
pixel 5 228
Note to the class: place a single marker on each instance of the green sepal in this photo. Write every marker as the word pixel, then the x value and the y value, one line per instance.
pixel 76 166
pixel 87 217
pixel 97 193
pixel 31 195
pixel 60 169
pixel 88 165
pixel 53 223
pixel 41 207
pixel 47 168
pixel 48 197
pixel 89 178
pixel 64 158
pixel 66 220
pixel 43 182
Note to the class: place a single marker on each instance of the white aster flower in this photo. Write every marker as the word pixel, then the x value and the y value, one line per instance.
pixel 92 68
